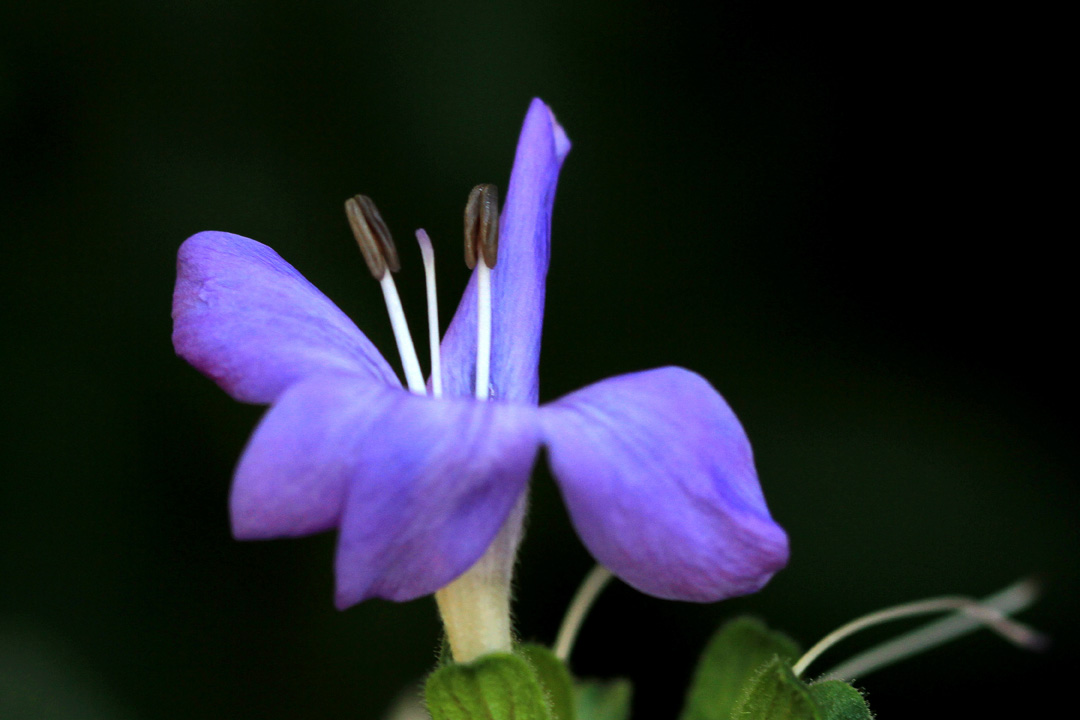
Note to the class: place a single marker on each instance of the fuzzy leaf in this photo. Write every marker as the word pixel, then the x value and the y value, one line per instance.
pixel 840 701
pixel 495 687
pixel 775 693
pixel 554 677
pixel 732 658
pixel 603 699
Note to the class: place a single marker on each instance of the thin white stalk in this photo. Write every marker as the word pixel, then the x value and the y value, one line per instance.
pixel 411 365
pixel 992 618
pixel 1012 599
pixel 428 254
pixel 483 329
pixel 591 587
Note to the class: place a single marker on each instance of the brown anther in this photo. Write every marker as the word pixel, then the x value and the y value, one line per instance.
pixel 372 236
pixel 482 225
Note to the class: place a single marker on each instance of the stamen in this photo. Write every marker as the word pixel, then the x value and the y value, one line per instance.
pixel 482 244
pixel 483 330
pixel 482 225
pixel 372 236
pixel 379 253
pixel 409 362
pixel 428 254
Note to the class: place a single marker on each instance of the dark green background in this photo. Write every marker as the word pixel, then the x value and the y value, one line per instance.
pixel 840 216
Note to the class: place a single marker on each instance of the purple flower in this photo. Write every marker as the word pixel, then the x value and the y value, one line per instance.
pixel 654 467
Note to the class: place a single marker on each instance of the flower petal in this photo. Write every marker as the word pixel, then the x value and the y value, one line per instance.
pixel 429 491
pixel 291 480
pixel 518 278
pixel 659 479
pixel 418 487
pixel 251 322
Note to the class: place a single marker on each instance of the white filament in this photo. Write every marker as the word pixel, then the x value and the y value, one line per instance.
pixel 1012 599
pixel 413 376
pixel 979 613
pixel 483 329
pixel 428 254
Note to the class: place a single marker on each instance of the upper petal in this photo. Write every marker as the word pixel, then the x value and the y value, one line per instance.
pixel 517 280
pixel 250 321
pixel 659 480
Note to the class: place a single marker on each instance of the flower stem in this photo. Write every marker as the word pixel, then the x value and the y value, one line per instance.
pixel 475 608
pixel 591 587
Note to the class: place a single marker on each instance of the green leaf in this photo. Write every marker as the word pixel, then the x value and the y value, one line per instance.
pixel 554 677
pixel 776 694
pixel 840 701
pixel 603 699
pixel 732 658
pixel 495 687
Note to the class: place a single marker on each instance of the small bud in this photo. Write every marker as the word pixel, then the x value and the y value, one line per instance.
pixel 372 236
pixel 482 225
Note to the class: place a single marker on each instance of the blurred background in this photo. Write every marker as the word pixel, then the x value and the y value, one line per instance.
pixel 841 217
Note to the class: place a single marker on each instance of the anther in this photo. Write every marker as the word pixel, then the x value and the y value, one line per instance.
pixel 379 253
pixel 482 225
pixel 372 236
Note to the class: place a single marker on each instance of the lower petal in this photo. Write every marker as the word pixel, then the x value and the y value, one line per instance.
pixel 417 487
pixel 659 479
pixel 430 486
